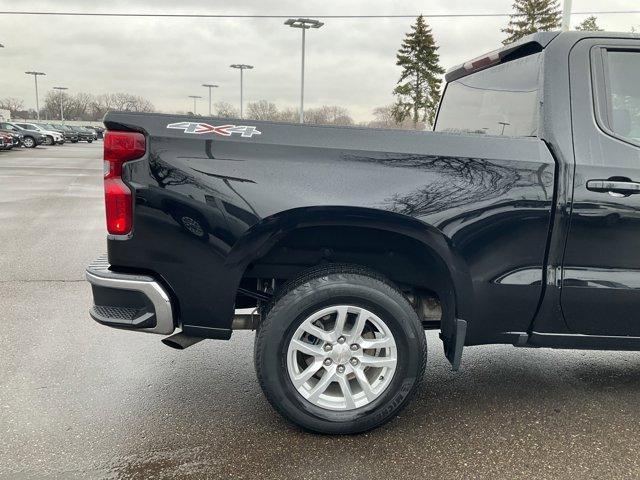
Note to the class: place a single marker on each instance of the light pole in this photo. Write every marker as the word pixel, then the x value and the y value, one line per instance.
pixel 35 77
pixel 242 67
pixel 195 97
pixel 566 15
pixel 303 24
pixel 210 86
pixel 60 89
pixel 504 124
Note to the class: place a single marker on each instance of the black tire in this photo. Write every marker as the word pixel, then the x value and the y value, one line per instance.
pixel 74 141
pixel 89 141
pixel 49 141
pixel 320 288
pixel 29 142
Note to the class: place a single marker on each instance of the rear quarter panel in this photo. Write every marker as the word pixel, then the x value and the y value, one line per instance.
pixel 489 197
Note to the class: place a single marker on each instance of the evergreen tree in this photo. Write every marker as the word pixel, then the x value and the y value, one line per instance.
pixel 589 25
pixel 532 16
pixel 418 89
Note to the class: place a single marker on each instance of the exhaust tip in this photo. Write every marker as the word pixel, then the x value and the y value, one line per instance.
pixel 180 341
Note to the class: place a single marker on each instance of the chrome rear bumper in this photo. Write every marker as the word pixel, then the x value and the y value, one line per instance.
pixel 129 301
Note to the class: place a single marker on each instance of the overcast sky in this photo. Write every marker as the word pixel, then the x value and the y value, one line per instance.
pixel 349 62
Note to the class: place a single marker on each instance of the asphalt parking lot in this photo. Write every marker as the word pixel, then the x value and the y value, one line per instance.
pixel 78 400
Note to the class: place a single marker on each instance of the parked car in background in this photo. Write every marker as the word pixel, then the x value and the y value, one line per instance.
pixel 52 137
pixel 31 138
pixel 89 128
pixel 17 137
pixel 6 142
pixel 84 135
pixel 69 134
pixel 99 131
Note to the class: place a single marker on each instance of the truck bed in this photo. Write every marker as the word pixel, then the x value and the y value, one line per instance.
pixel 485 199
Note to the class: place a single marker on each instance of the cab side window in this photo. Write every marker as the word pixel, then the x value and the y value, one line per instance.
pixel 622 84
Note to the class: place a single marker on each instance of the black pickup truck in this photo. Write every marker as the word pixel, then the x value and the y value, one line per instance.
pixel 516 221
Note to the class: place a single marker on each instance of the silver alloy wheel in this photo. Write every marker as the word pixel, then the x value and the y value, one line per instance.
pixel 342 357
pixel 28 142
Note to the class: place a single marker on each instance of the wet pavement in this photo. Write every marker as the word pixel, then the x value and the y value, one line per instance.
pixel 78 400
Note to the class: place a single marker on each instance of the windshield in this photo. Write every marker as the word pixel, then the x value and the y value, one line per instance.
pixel 501 100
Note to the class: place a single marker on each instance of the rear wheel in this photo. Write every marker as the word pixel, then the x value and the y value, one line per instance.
pixel 340 351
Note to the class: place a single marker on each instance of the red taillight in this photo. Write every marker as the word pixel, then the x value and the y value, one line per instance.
pixel 119 147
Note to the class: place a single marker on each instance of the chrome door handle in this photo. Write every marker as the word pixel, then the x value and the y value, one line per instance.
pixel 614 186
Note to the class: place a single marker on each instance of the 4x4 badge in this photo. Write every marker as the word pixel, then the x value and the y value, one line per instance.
pixel 224 130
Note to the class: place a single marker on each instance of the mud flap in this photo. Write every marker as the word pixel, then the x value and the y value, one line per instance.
pixel 454 344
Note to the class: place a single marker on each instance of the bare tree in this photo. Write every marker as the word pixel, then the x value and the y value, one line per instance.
pixel 225 109
pixel 85 106
pixel 289 115
pixel 51 107
pixel 131 103
pixel 14 105
pixel 384 118
pixel 101 105
pixel 328 115
pixel 79 106
pixel 262 110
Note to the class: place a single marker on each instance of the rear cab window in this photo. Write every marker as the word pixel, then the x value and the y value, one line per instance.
pixel 501 100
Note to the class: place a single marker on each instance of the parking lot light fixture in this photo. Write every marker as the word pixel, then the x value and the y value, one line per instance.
pixel 304 24
pixel 195 97
pixel 210 86
pixel 61 89
pixel 242 67
pixel 35 76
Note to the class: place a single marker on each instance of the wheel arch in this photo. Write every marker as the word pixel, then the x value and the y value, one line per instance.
pixel 272 231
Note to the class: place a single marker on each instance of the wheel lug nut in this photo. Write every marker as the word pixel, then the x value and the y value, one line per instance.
pixel 340 368
pixel 341 340
pixel 327 361
pixel 327 347
pixel 354 361
pixel 354 347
